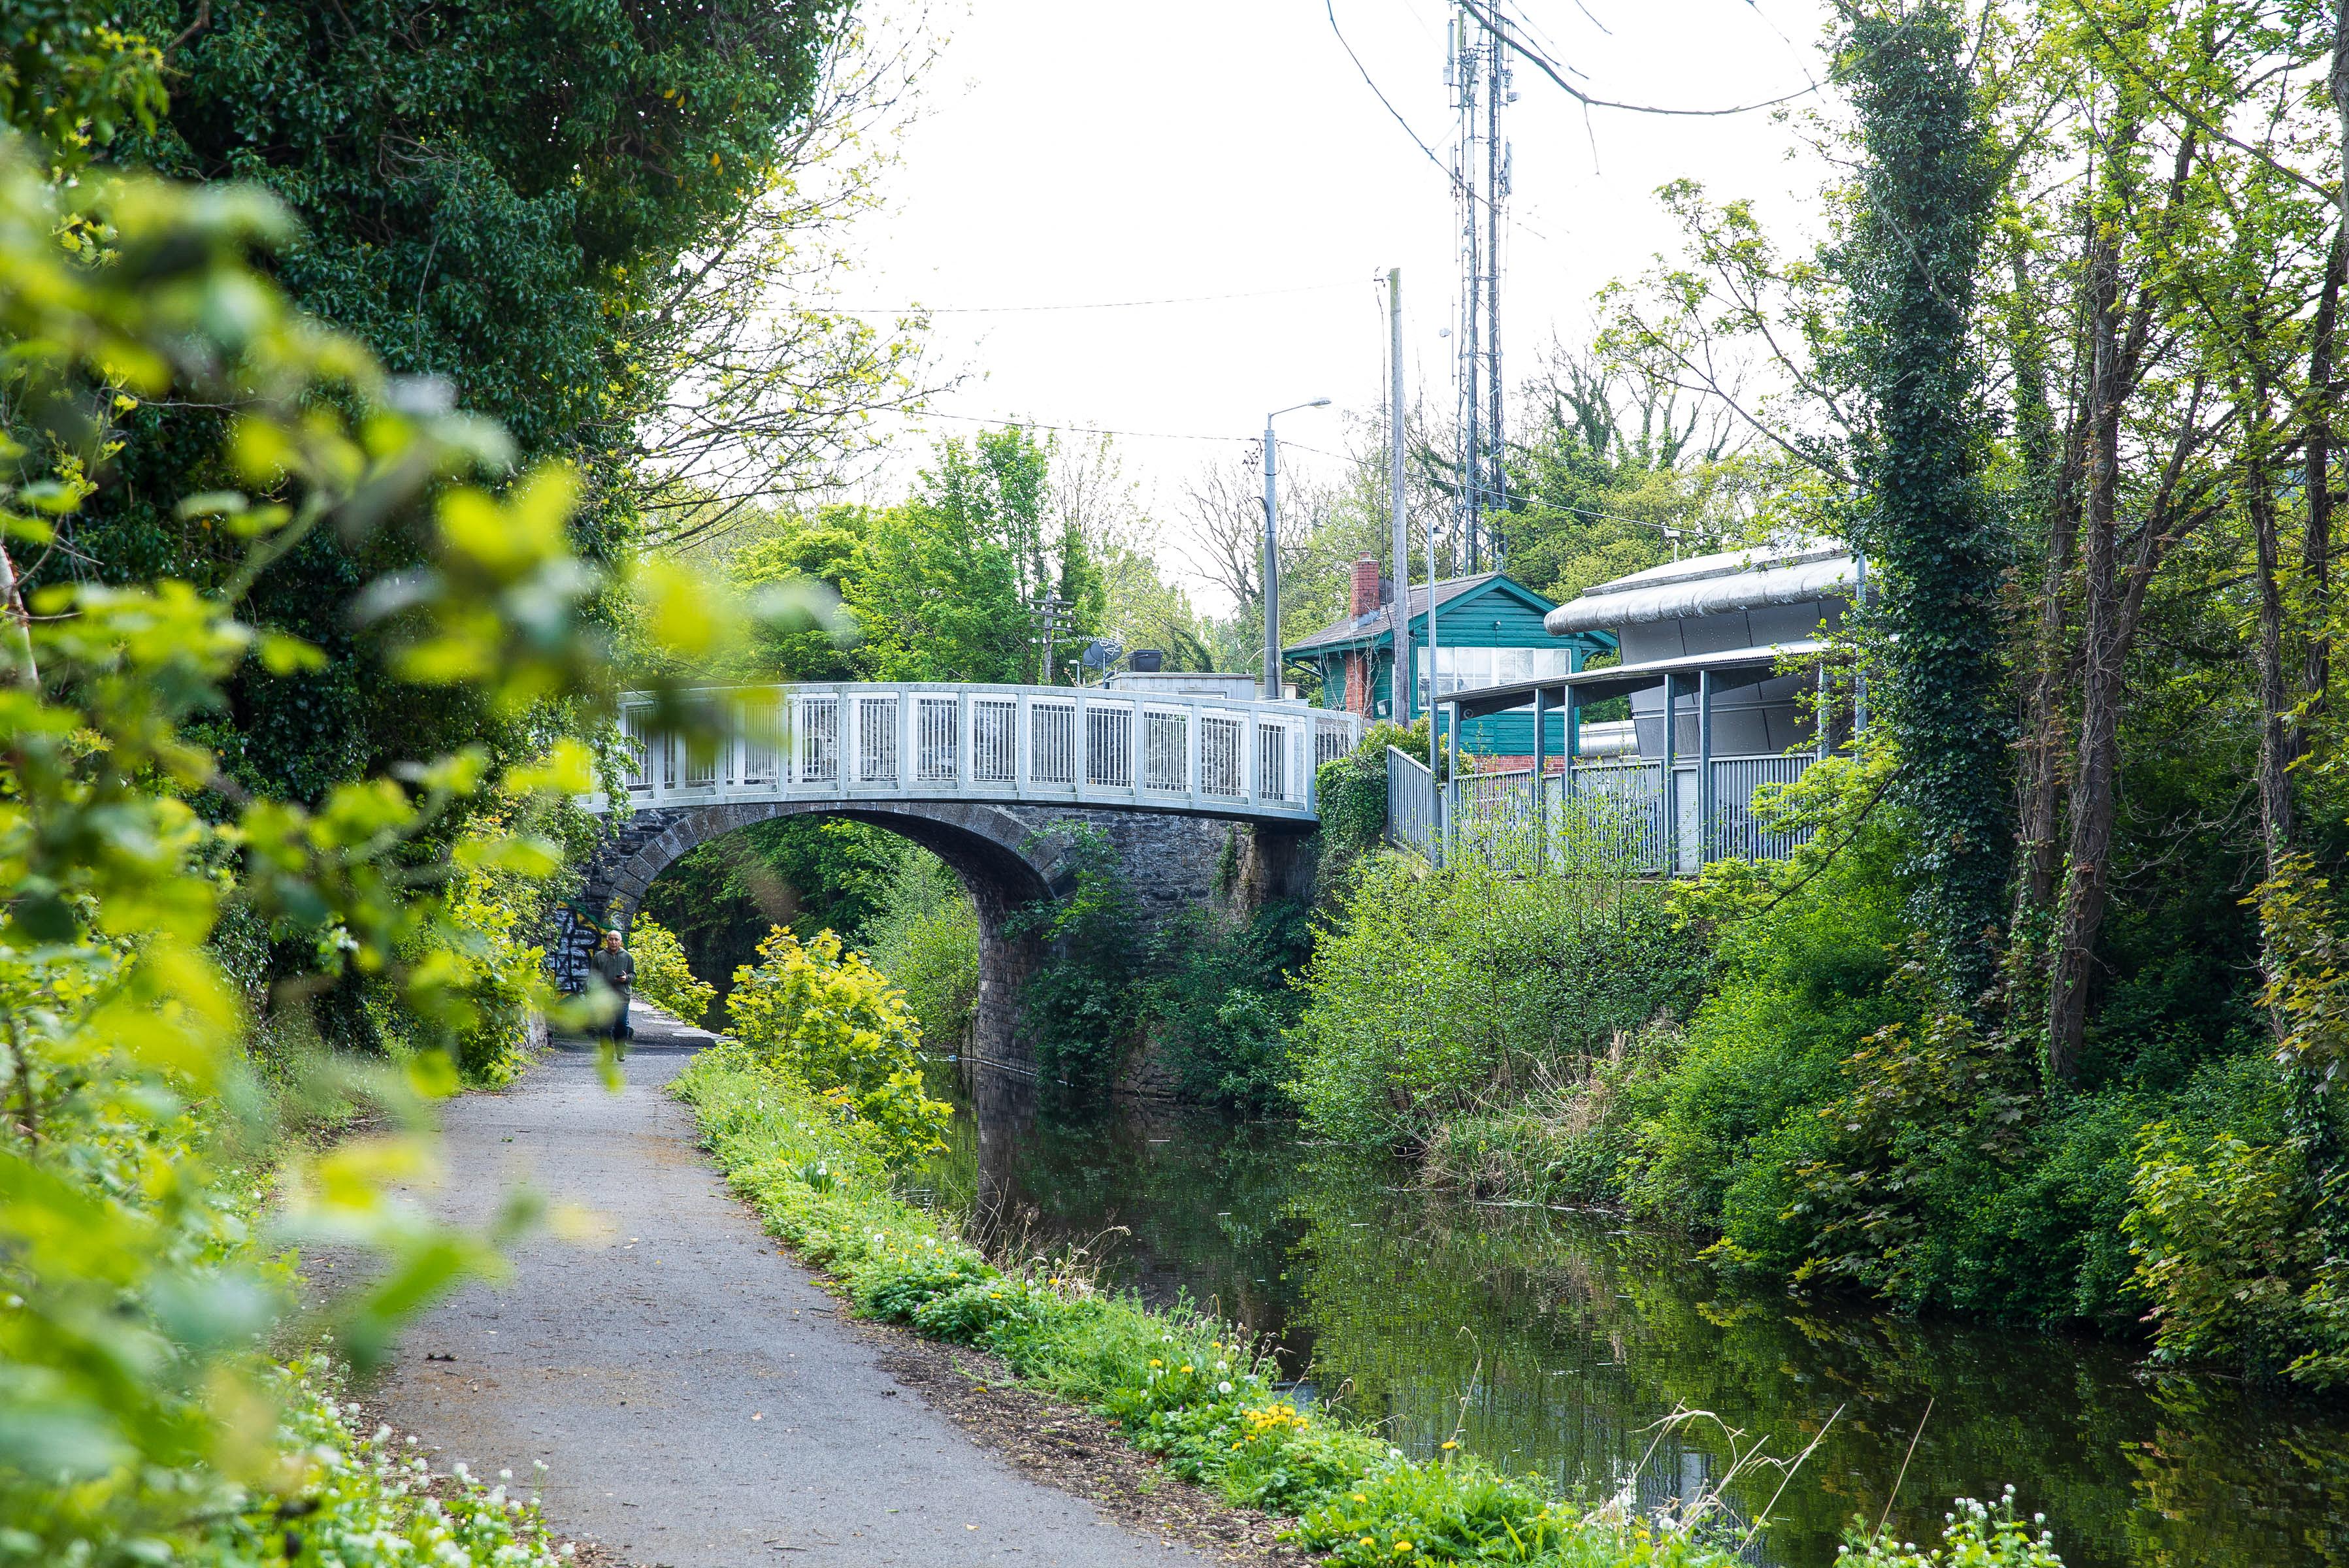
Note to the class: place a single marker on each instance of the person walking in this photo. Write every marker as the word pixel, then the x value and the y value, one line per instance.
pixel 617 966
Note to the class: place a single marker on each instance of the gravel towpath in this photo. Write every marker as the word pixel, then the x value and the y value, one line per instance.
pixel 696 1398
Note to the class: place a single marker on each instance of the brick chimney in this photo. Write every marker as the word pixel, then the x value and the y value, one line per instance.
pixel 1365 596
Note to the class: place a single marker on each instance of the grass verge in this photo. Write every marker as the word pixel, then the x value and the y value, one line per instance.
pixel 1181 1385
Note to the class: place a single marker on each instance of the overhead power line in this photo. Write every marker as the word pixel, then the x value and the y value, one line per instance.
pixel 1551 69
pixel 1090 304
pixel 1452 178
pixel 1104 430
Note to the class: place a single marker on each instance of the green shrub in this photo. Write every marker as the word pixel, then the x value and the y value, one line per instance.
pixel 1350 793
pixel 1802 955
pixel 896 1283
pixel 662 976
pixel 2228 1249
pixel 1083 1002
pixel 1572 1143
pixel 996 1312
pixel 1223 1005
pixel 1461 1512
pixel 1432 994
pixel 830 1018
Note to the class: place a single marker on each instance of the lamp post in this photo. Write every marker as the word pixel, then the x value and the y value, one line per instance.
pixel 1272 552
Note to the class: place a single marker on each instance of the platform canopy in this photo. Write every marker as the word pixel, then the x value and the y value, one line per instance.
pixel 1793 572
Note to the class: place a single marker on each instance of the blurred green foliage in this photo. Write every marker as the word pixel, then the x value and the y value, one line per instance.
pixel 143 1276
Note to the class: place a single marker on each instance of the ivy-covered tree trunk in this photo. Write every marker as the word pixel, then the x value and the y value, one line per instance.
pixel 1924 215
pixel 2055 497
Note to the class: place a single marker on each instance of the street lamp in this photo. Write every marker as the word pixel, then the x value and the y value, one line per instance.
pixel 1272 552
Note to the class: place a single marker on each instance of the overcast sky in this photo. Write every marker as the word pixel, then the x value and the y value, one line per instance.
pixel 1078 152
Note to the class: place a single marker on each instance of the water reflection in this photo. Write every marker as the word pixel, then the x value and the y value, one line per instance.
pixel 1555 1343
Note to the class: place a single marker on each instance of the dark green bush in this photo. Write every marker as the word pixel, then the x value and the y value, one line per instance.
pixel 1083 1002
pixel 1222 1003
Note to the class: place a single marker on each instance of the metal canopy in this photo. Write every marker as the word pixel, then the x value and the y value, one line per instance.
pixel 1756 664
pixel 1710 585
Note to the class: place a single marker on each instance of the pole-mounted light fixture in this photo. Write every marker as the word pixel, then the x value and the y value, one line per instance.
pixel 1272 550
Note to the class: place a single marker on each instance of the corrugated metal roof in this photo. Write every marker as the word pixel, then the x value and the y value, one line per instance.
pixel 1373 624
pixel 1787 573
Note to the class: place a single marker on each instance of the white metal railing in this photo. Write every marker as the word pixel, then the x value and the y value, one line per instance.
pixel 919 740
pixel 1410 801
pixel 1614 809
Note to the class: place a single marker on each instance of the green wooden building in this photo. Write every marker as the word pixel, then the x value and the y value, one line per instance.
pixel 1488 634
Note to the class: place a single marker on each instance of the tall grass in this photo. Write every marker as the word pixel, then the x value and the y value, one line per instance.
pixel 1437 994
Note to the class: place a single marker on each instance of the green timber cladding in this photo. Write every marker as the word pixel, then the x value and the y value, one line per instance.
pixel 1489 632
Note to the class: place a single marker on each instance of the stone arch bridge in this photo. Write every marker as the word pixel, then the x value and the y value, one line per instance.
pixel 996 780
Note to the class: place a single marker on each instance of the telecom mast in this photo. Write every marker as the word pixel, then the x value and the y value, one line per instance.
pixel 1476 71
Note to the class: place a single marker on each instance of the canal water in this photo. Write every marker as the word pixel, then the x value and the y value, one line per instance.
pixel 1560 1343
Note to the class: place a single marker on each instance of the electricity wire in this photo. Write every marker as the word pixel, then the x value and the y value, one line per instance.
pixel 1286 444
pixel 1092 305
pixel 1494 24
pixel 1371 82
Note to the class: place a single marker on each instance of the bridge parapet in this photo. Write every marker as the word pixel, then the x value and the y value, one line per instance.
pixel 1058 746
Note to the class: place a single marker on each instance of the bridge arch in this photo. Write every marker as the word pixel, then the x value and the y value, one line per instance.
pixel 1005 857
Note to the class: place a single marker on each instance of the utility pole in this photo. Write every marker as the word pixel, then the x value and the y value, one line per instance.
pixel 1477 72
pixel 1052 611
pixel 1398 505
pixel 1271 569
pixel 1272 550
pixel 1460 74
pixel 1496 181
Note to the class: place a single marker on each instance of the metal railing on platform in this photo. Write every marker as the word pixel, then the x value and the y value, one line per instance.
pixel 1614 810
pixel 1410 801
pixel 1054 745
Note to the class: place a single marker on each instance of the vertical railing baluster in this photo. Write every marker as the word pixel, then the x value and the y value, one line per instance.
pixel 1023 723
pixel 909 740
pixel 1191 745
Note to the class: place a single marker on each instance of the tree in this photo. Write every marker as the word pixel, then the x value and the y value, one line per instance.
pixel 768 393
pixel 1926 194
pixel 490 196
pixel 947 585
pixel 1613 462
